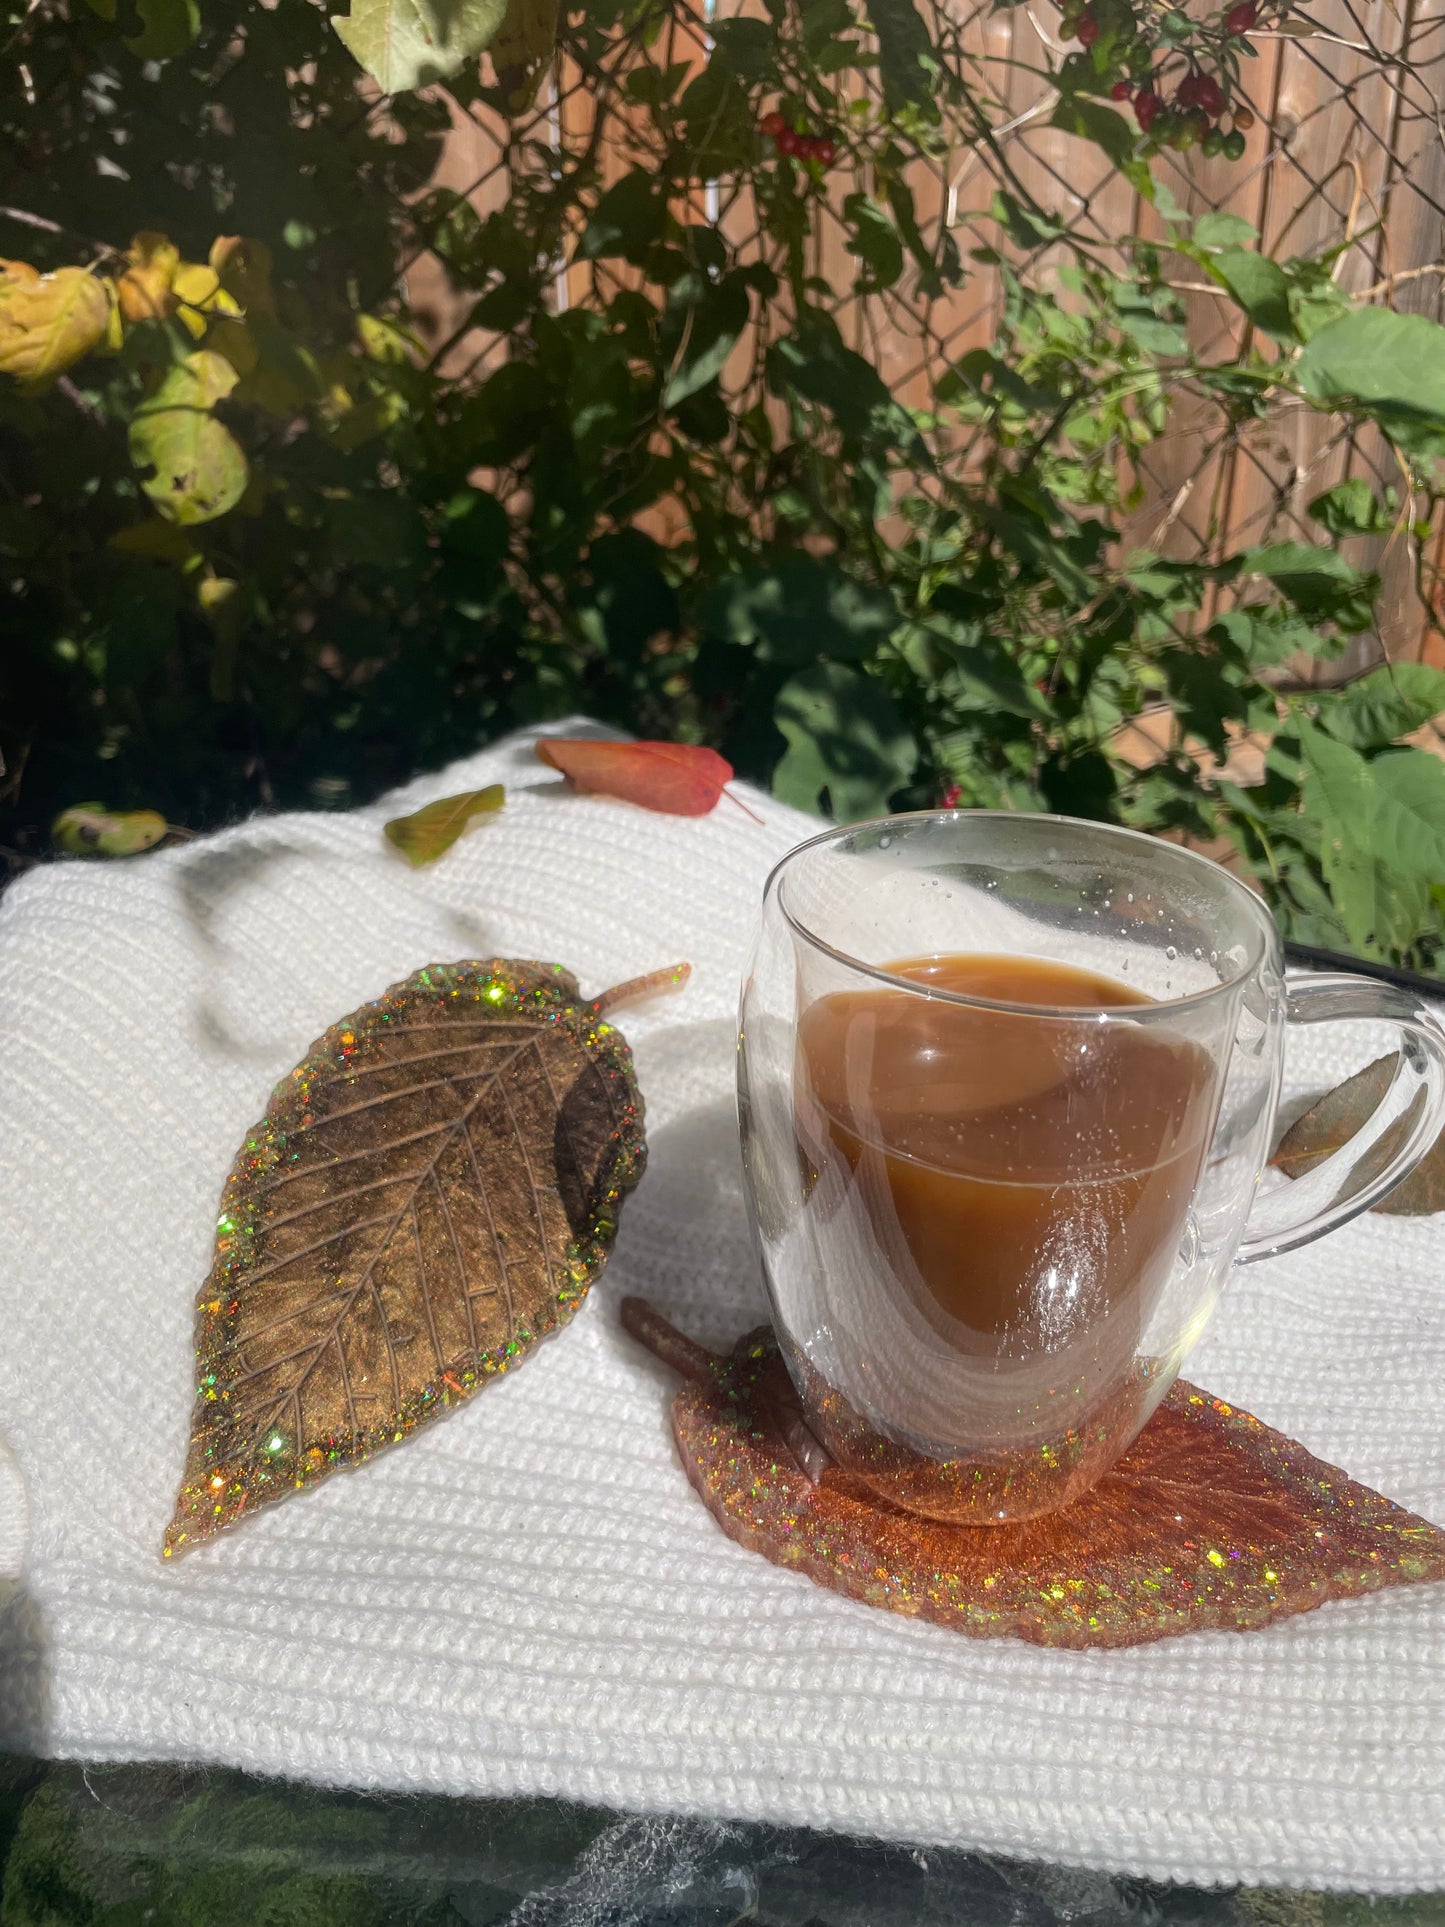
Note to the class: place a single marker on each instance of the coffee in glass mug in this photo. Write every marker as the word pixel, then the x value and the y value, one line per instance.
pixel 1006 1087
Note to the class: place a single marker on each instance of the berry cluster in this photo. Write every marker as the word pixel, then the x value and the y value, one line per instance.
pixel 1193 114
pixel 798 147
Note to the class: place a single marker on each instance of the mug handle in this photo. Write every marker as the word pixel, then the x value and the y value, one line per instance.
pixel 1377 1157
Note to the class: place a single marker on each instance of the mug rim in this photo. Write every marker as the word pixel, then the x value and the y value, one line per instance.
pixel 1265 932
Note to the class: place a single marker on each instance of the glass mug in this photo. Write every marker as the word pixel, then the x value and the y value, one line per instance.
pixel 994 1219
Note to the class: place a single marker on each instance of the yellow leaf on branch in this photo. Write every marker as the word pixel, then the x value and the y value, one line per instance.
pixel 200 296
pixel 48 321
pixel 383 339
pixel 145 291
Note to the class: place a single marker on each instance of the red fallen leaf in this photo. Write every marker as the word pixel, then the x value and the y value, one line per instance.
pixel 681 778
pixel 1211 1520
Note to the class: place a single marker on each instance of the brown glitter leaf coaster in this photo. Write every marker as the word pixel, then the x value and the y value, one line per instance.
pixel 431 1191
pixel 1211 1519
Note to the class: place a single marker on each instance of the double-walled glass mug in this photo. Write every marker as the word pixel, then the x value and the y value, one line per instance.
pixel 1007 1085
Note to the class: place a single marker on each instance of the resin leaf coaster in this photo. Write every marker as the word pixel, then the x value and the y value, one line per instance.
pixel 431 1191
pixel 1210 1520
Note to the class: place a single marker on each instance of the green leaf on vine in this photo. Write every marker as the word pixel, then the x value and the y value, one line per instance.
pixel 1319 582
pixel 168 27
pixel 192 466
pixel 1384 705
pixel 628 219
pixel 1408 831
pixel 845 737
pixel 799 609
pixel 1090 120
pixel 404 44
pixel 717 321
pixel 1353 508
pixel 1258 285
pixel 906 55
pixel 1392 364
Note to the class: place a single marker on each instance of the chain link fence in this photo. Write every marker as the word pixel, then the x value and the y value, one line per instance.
pixel 1345 161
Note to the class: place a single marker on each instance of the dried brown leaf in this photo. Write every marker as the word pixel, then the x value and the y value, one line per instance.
pixel 1334 1120
pixel 1210 1520
pixel 431 1191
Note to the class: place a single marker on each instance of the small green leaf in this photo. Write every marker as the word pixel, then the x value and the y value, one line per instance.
pixel 1392 363
pixel 1382 910
pixel 1258 285
pixel 1337 786
pixel 802 607
pixel 1318 581
pixel 192 466
pixel 1267 634
pixel 1385 705
pixel 1408 831
pixel 748 46
pixel 874 239
pixel 717 322
pixel 90 829
pixel 168 27
pixel 815 363
pixel 1352 508
pixel 1026 227
pixel 1219 230
pixel 428 832
pixel 1205 696
pixel 628 219
pixel 1090 120
pixel 845 737
pixel 906 55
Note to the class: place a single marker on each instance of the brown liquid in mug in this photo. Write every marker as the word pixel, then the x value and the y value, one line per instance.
pixel 1025 1178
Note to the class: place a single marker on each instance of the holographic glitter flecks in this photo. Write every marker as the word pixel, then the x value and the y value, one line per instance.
pixel 431 1191
pixel 1211 1520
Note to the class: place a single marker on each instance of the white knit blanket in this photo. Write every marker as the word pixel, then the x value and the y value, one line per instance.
pixel 529 1598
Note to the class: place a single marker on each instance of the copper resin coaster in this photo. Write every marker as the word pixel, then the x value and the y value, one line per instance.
pixel 1211 1519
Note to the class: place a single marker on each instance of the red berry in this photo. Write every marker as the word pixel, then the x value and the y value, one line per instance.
pixel 1146 108
pixel 1122 90
pixel 951 797
pixel 1088 30
pixel 772 125
pixel 789 142
pixel 1187 93
pixel 1209 95
pixel 1241 17
pixel 825 151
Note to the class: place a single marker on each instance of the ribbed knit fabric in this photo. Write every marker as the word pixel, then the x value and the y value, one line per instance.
pixel 529 1598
